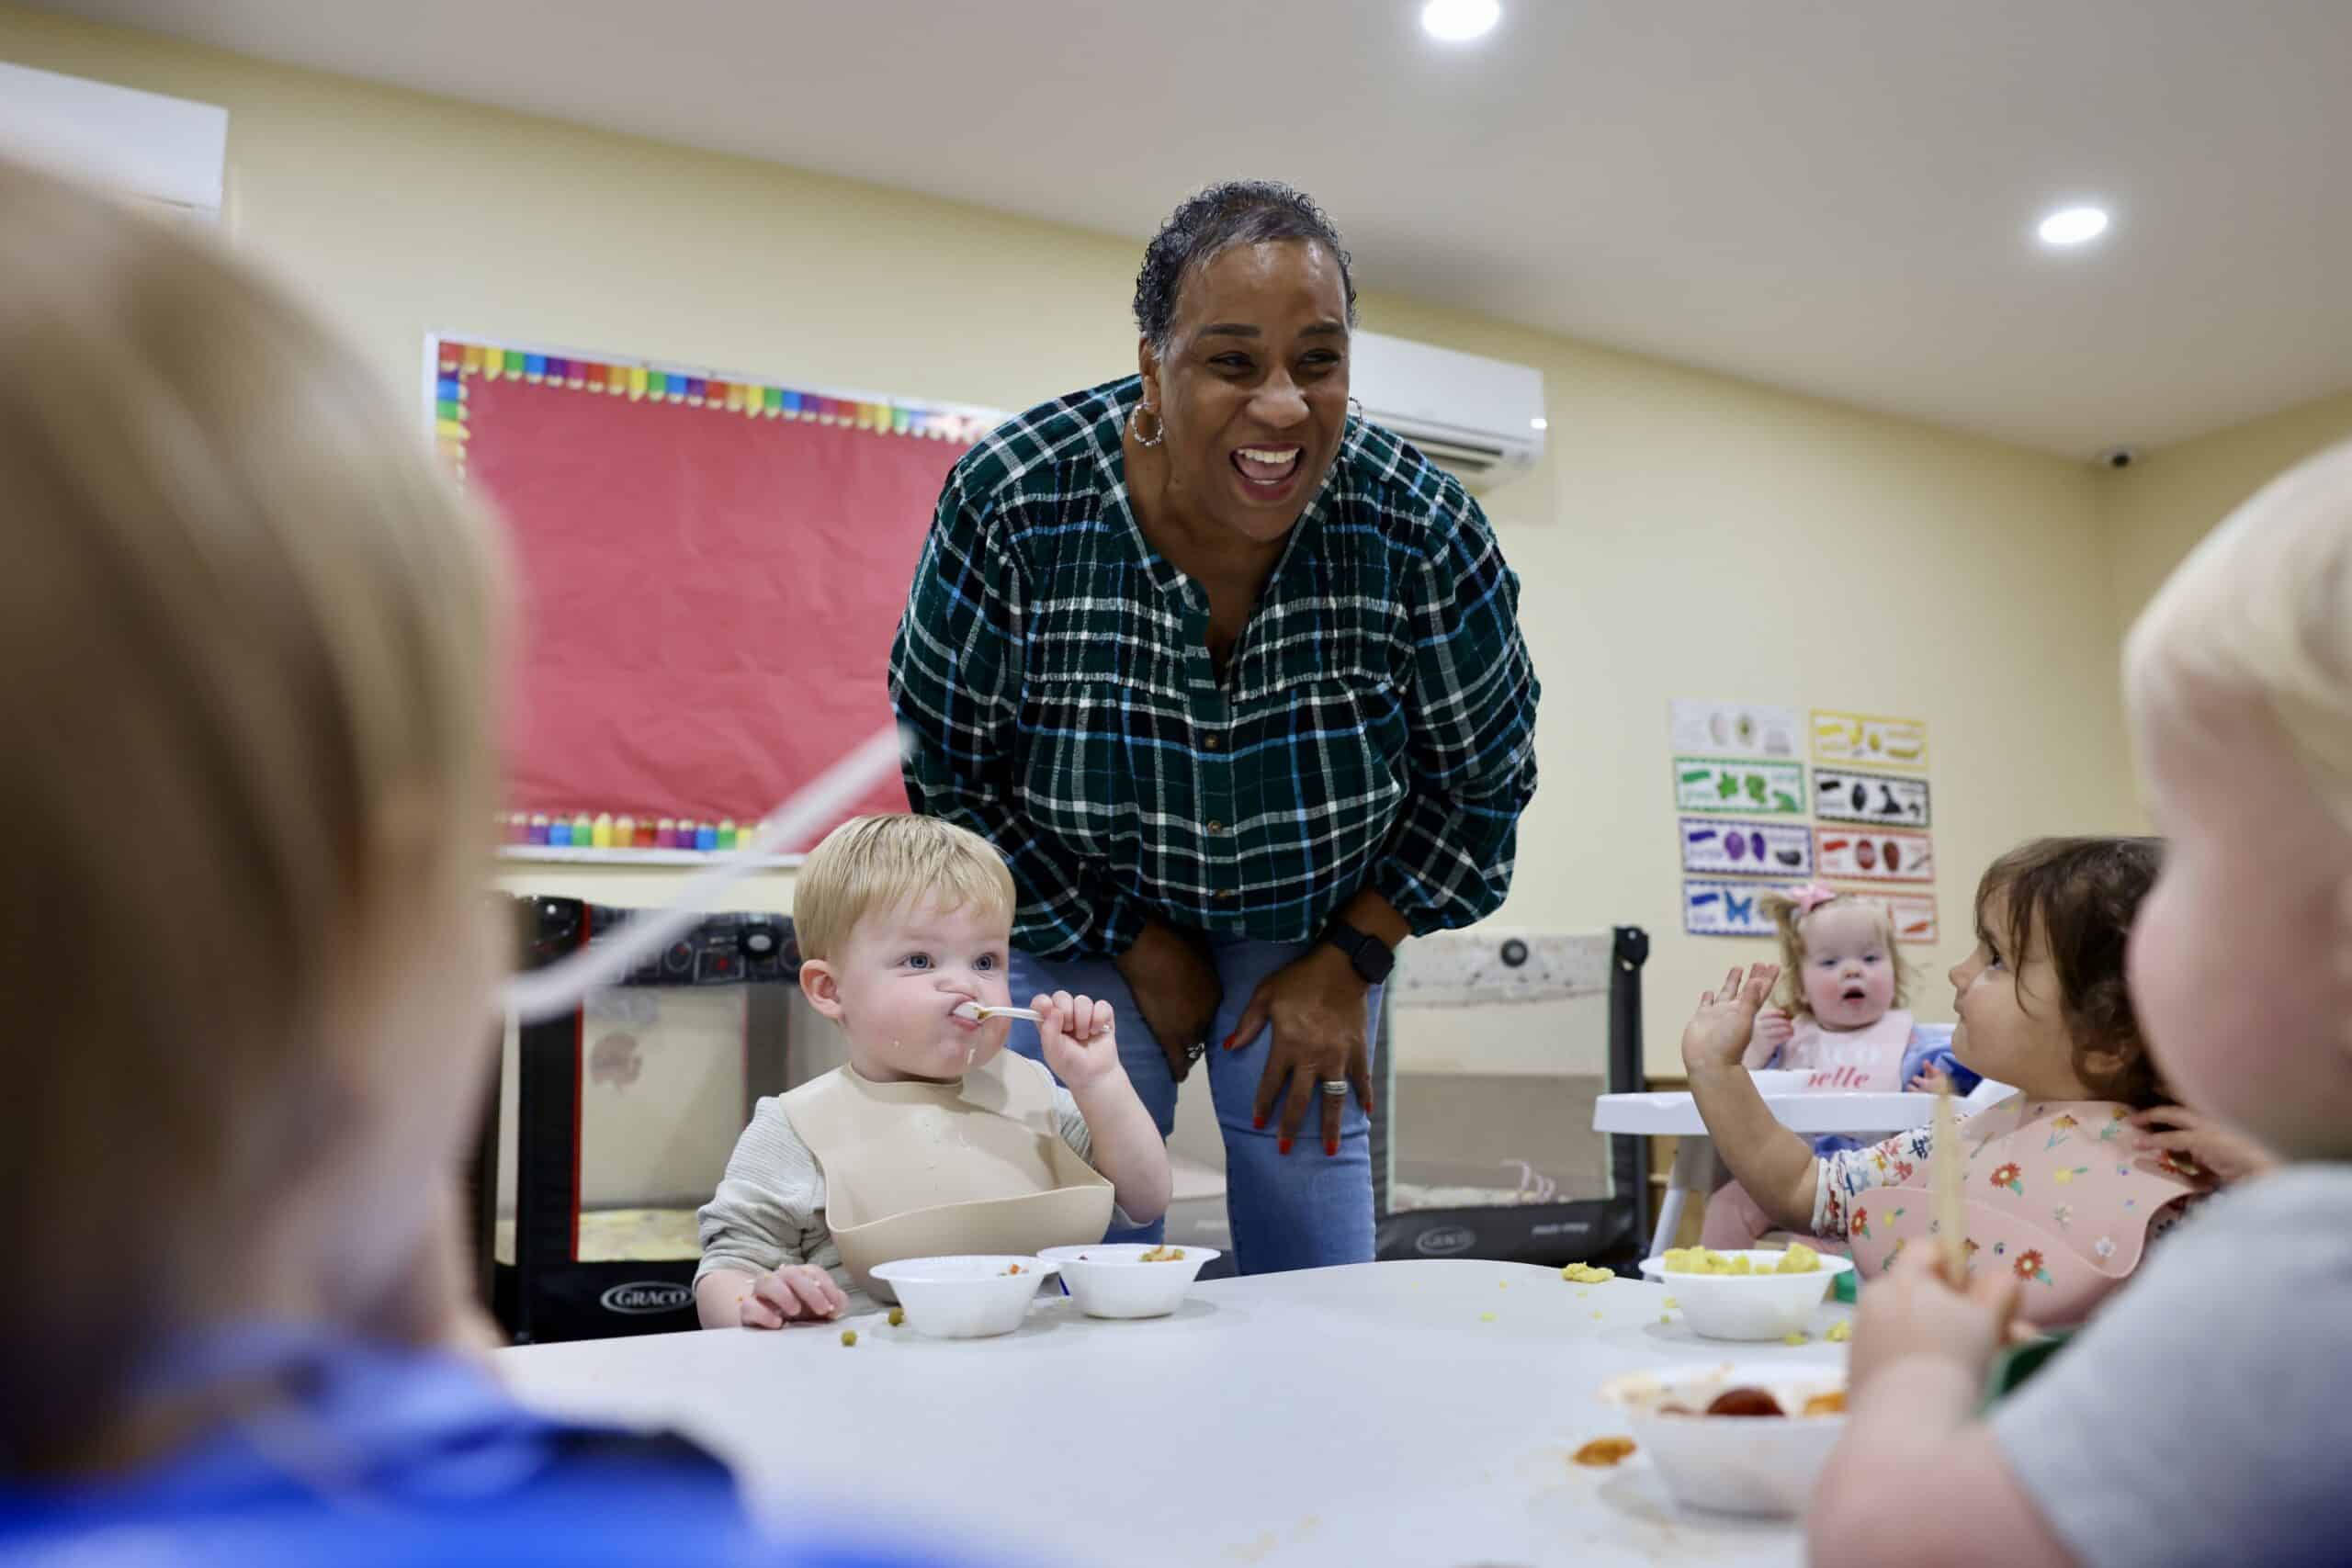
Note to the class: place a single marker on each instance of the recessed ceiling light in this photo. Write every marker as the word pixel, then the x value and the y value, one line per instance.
pixel 2072 225
pixel 1458 21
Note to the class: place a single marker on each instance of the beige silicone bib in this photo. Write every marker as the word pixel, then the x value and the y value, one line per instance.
pixel 933 1169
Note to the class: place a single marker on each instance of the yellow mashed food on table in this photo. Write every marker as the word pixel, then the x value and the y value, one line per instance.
pixel 1840 1333
pixel 898 1316
pixel 849 1336
pixel 1587 1274
pixel 1799 1260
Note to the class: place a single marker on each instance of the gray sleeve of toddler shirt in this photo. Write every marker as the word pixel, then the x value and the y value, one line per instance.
pixel 2203 1415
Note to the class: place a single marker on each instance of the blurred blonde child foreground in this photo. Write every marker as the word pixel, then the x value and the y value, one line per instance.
pixel 904 922
pixel 248 634
pixel 2057 1192
pixel 1841 1018
pixel 2202 1418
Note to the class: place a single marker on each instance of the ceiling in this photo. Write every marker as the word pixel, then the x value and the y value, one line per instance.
pixel 1836 197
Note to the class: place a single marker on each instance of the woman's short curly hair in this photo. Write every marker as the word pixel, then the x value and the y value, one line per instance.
pixel 1235 212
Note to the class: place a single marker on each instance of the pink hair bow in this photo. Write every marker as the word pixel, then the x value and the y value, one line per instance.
pixel 1811 897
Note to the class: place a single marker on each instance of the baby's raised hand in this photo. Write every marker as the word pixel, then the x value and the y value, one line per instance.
pixel 1081 1045
pixel 1774 1028
pixel 1718 1033
pixel 798 1291
pixel 1930 1080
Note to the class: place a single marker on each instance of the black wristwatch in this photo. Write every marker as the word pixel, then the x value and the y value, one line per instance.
pixel 1371 958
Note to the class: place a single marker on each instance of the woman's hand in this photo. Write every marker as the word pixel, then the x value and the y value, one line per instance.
pixel 1077 1035
pixel 1318 1007
pixel 798 1291
pixel 1718 1033
pixel 1176 990
pixel 2216 1155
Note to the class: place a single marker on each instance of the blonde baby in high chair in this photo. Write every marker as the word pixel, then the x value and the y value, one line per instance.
pixel 904 925
pixel 1839 1018
pixel 2057 1190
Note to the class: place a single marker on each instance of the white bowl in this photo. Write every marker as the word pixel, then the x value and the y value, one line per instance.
pixel 1749 1306
pixel 1732 1464
pixel 1114 1280
pixel 965 1298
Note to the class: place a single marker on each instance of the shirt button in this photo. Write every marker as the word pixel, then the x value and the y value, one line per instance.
pixel 1208 742
pixel 1224 895
pixel 1216 826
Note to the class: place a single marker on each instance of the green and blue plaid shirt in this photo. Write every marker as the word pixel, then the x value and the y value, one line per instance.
pixel 1375 724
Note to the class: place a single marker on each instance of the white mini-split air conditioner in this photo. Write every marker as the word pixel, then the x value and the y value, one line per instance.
pixel 1481 420
pixel 169 154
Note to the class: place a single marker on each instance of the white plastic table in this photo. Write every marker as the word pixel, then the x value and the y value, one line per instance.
pixel 1417 1413
pixel 1803 1111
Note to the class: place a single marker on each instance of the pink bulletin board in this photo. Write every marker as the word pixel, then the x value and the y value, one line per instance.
pixel 711 571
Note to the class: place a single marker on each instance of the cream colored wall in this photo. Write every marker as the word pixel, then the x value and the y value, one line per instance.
pixel 1687 535
pixel 2153 514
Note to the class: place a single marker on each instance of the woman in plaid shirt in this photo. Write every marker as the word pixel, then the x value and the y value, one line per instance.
pixel 1234 682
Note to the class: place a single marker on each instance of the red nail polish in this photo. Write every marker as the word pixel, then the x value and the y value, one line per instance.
pixel 1228 1042
pixel 1331 1146
pixel 1283 1146
pixel 1259 1123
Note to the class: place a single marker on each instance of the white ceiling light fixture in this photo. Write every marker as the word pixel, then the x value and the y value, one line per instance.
pixel 2073 226
pixel 1459 21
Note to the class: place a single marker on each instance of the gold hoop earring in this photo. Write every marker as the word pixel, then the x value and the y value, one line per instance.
pixel 1158 426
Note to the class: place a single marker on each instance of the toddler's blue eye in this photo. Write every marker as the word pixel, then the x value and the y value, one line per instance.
pixel 918 960
pixel 985 963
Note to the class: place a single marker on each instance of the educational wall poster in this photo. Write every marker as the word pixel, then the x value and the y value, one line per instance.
pixel 1869 738
pixel 1717 848
pixel 1841 794
pixel 1747 789
pixel 1914 914
pixel 1706 729
pixel 1875 854
pixel 1725 908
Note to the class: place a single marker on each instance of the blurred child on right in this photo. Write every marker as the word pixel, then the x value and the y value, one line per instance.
pixel 2202 1418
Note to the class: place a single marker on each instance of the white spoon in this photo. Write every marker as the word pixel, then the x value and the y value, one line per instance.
pixel 982 1012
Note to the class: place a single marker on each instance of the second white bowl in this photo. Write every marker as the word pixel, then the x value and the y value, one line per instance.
pixel 1749 1306
pixel 1116 1282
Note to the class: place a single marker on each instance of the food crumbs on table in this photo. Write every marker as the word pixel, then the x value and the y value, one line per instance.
pixel 849 1336
pixel 898 1316
pixel 1582 1295
pixel 1671 1303
pixel 1011 1268
pixel 1587 1274
pixel 1665 1317
pixel 1840 1332
pixel 1485 1317
pixel 1502 1284
pixel 1596 1317
pixel 1797 1336
pixel 1604 1452
pixel 1830 1404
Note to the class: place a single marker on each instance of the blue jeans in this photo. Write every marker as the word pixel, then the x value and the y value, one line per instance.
pixel 1304 1210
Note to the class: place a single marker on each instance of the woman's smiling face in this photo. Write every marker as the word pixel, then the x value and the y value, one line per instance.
pixel 1252 390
